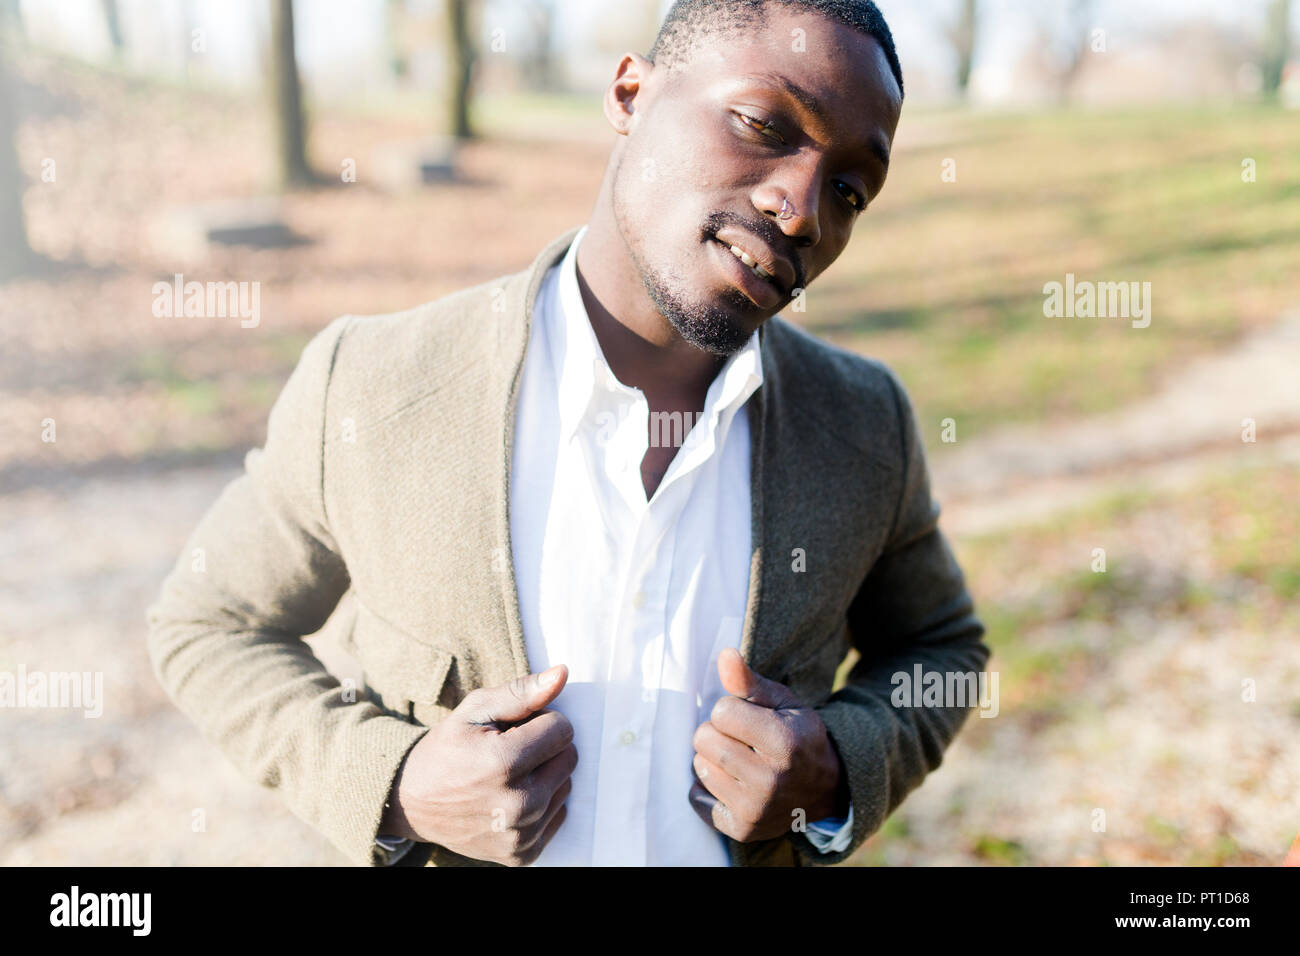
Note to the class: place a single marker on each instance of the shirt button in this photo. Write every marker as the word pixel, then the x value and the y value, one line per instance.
pixel 627 738
pixel 638 600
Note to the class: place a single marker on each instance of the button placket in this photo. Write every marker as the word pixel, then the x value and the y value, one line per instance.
pixel 631 701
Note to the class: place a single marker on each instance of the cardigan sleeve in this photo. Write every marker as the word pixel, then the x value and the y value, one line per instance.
pixel 912 610
pixel 260 571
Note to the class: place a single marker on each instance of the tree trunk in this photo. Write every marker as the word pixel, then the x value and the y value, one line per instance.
pixel 539 67
pixel 1277 42
pixel 1076 39
pixel 113 23
pixel 462 56
pixel 15 255
pixel 962 37
pixel 11 18
pixel 395 25
pixel 286 91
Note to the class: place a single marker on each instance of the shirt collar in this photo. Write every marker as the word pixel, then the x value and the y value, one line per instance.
pixel 581 370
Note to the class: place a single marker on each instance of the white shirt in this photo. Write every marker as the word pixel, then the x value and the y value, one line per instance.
pixel 636 597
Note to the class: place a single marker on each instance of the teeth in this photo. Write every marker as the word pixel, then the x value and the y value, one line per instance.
pixel 749 260
pixel 743 256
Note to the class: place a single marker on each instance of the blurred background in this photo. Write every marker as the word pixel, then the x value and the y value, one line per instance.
pixel 1123 499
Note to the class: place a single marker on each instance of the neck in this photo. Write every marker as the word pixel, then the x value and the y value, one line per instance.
pixel 641 346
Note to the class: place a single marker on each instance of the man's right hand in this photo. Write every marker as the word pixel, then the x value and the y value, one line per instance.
pixel 490 780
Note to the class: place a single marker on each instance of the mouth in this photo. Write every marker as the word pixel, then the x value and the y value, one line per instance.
pixel 761 274
pixel 750 261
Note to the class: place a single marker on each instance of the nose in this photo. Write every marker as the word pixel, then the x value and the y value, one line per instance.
pixel 801 187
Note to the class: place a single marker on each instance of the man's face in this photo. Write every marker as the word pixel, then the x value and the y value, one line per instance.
pixel 797 111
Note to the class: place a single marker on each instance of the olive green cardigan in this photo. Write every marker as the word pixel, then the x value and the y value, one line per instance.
pixel 386 471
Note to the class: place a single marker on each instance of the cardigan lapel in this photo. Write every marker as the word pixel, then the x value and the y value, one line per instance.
pixel 791 456
pixel 787 460
pixel 782 457
pixel 514 333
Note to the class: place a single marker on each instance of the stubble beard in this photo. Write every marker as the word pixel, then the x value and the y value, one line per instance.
pixel 706 326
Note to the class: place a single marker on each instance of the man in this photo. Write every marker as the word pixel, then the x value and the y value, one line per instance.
pixel 610 526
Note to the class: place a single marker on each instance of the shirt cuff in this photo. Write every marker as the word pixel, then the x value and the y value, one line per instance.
pixel 396 847
pixel 832 834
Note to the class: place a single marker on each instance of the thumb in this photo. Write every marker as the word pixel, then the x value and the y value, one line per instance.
pixel 740 680
pixel 520 698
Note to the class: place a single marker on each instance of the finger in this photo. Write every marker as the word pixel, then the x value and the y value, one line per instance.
pixel 553 773
pixel 516 699
pixel 767 731
pixel 702 802
pixel 533 821
pixel 717 781
pixel 710 809
pixel 527 746
pixel 727 753
pixel 546 830
pixel 740 680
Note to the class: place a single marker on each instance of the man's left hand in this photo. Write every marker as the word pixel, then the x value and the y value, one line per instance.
pixel 761 757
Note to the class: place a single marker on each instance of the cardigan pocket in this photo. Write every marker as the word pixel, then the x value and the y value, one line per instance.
pixel 405 677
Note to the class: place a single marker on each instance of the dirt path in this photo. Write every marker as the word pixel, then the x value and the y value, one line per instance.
pixel 1194 422
pixel 77 568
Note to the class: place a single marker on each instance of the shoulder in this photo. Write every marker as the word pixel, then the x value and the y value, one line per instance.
pixel 466 344
pixel 389 360
pixel 860 398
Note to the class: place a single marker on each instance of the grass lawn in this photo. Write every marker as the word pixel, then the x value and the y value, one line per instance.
pixel 944 280
pixel 1135 675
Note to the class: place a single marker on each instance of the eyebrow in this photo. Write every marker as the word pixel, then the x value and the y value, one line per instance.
pixel 814 107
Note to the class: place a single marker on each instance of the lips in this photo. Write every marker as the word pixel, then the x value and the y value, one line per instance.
pixel 764 293
pixel 750 261
pixel 759 258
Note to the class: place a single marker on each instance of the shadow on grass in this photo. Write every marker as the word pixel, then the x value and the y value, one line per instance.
pixel 67 476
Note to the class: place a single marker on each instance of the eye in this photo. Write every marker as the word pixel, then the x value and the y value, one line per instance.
pixel 761 126
pixel 851 195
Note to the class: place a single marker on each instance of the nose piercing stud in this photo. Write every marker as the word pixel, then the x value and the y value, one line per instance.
pixel 787 210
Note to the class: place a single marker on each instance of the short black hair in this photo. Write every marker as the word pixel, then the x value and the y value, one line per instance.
pixel 689 21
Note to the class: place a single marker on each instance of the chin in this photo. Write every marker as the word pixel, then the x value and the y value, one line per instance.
pixel 711 330
pixel 718 321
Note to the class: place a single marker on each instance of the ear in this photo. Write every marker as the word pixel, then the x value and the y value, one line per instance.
pixel 627 90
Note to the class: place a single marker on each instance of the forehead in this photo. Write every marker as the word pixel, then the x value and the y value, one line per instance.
pixel 836 72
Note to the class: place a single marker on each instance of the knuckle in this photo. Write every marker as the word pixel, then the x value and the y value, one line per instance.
pixel 570 755
pixel 787 739
pixel 744 813
pixel 533 806
pixel 729 822
pixel 535 850
pixel 782 760
pixel 741 820
pixel 513 804
pixel 701 735
pixel 513 845
pixel 518 688
pixel 564 727
pixel 504 763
